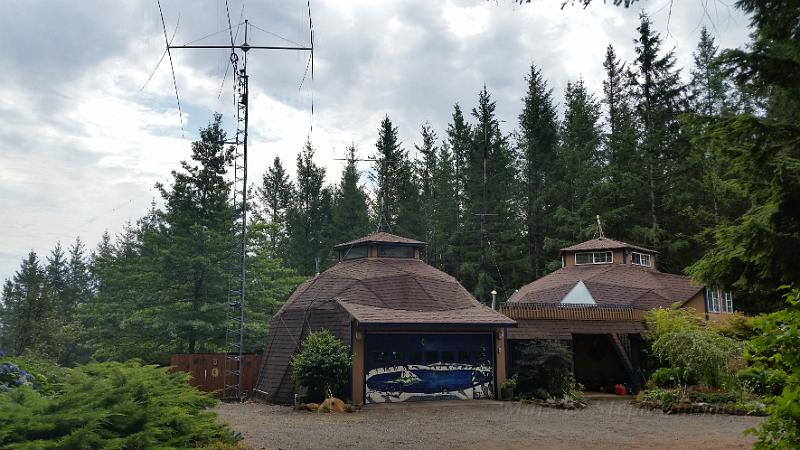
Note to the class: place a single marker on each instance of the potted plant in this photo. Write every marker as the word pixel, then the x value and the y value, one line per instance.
pixel 508 387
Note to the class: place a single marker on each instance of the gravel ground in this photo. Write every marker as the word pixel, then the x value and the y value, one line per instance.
pixel 484 424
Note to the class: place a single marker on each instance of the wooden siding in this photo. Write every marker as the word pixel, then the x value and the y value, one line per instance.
pixel 207 370
pixel 532 311
pixel 564 329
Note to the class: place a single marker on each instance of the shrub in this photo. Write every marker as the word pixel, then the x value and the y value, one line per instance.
pixel 111 405
pixel 665 377
pixel 773 353
pixel 696 355
pixel 543 369
pixel 694 351
pixel 322 365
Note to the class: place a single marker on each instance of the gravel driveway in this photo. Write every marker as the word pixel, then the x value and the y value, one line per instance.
pixel 484 424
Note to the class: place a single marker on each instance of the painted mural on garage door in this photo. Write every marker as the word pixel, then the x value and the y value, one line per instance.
pixel 411 367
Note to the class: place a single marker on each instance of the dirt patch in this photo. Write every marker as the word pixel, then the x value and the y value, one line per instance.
pixel 604 424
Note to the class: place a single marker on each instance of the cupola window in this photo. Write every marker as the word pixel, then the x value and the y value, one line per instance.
pixel 354 253
pixel 594 258
pixel 640 259
pixel 395 251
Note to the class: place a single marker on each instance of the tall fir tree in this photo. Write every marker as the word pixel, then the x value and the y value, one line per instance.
pixel 658 93
pixel 578 167
pixel 29 315
pixel 491 210
pixel 538 141
pixel 444 225
pixel 275 195
pixel 756 252
pixel 350 211
pixel 396 190
pixel 198 229
pixel 308 217
pixel 459 140
pixel 427 154
pixel 623 202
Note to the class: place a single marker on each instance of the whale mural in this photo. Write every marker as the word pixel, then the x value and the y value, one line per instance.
pixel 428 367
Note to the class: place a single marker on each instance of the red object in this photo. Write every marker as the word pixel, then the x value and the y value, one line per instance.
pixel 620 389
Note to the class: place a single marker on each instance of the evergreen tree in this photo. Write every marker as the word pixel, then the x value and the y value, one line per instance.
pixel 29 316
pixel 308 217
pixel 442 252
pixel 275 194
pixel 459 139
pixel 269 285
pixel 659 102
pixel 491 210
pixel 395 195
pixel 623 201
pixel 197 244
pixel 56 274
pixel 350 212
pixel 757 252
pixel 426 173
pixel 538 140
pixel 578 165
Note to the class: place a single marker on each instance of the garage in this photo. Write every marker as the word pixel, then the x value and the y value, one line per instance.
pixel 432 366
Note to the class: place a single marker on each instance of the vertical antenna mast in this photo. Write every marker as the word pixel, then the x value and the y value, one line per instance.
pixel 234 333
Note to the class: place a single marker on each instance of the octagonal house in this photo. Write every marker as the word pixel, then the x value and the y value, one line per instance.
pixel 414 332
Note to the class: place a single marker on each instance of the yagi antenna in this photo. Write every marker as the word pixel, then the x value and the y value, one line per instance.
pixel 171 65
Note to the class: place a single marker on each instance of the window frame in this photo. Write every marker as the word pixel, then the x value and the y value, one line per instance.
pixel 345 253
pixel 594 259
pixel 719 301
pixel 387 246
pixel 640 255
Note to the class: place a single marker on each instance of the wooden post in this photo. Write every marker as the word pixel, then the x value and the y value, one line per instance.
pixel 500 359
pixel 357 372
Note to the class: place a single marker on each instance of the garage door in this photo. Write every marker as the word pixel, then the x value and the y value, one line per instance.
pixel 411 367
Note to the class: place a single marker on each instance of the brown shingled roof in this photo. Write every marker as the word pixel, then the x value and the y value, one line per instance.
pixel 611 284
pixel 382 237
pixel 604 243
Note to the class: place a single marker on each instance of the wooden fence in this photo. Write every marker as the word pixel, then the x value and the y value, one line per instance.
pixel 532 311
pixel 207 370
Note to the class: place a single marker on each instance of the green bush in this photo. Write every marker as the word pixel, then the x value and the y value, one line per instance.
pixel 322 365
pixel 111 405
pixel 665 377
pixel 543 369
pixel 762 380
pixel 694 351
pixel 773 353
pixel 713 397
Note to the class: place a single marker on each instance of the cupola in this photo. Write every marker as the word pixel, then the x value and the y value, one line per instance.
pixel 380 245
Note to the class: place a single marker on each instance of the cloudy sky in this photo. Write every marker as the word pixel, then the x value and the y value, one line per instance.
pixel 82 142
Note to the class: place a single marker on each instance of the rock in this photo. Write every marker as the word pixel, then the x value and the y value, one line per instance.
pixel 333 404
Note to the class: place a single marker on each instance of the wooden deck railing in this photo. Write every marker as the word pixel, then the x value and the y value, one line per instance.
pixel 532 311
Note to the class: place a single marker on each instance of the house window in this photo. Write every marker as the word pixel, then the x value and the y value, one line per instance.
pixel 395 251
pixel 640 259
pixel 594 258
pixel 354 253
pixel 719 301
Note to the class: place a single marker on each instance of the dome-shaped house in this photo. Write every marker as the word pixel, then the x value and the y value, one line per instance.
pixel 415 333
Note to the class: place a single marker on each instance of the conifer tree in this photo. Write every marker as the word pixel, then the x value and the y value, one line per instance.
pixel 623 201
pixel 197 243
pixel 308 217
pixel 275 194
pixel 459 140
pixel 444 224
pixel 659 95
pixel 538 140
pixel 491 209
pixel 397 195
pixel 350 212
pixel 29 317
pixel 426 174
pixel 578 168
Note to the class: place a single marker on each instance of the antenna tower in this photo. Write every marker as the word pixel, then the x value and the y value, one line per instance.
pixel 235 318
